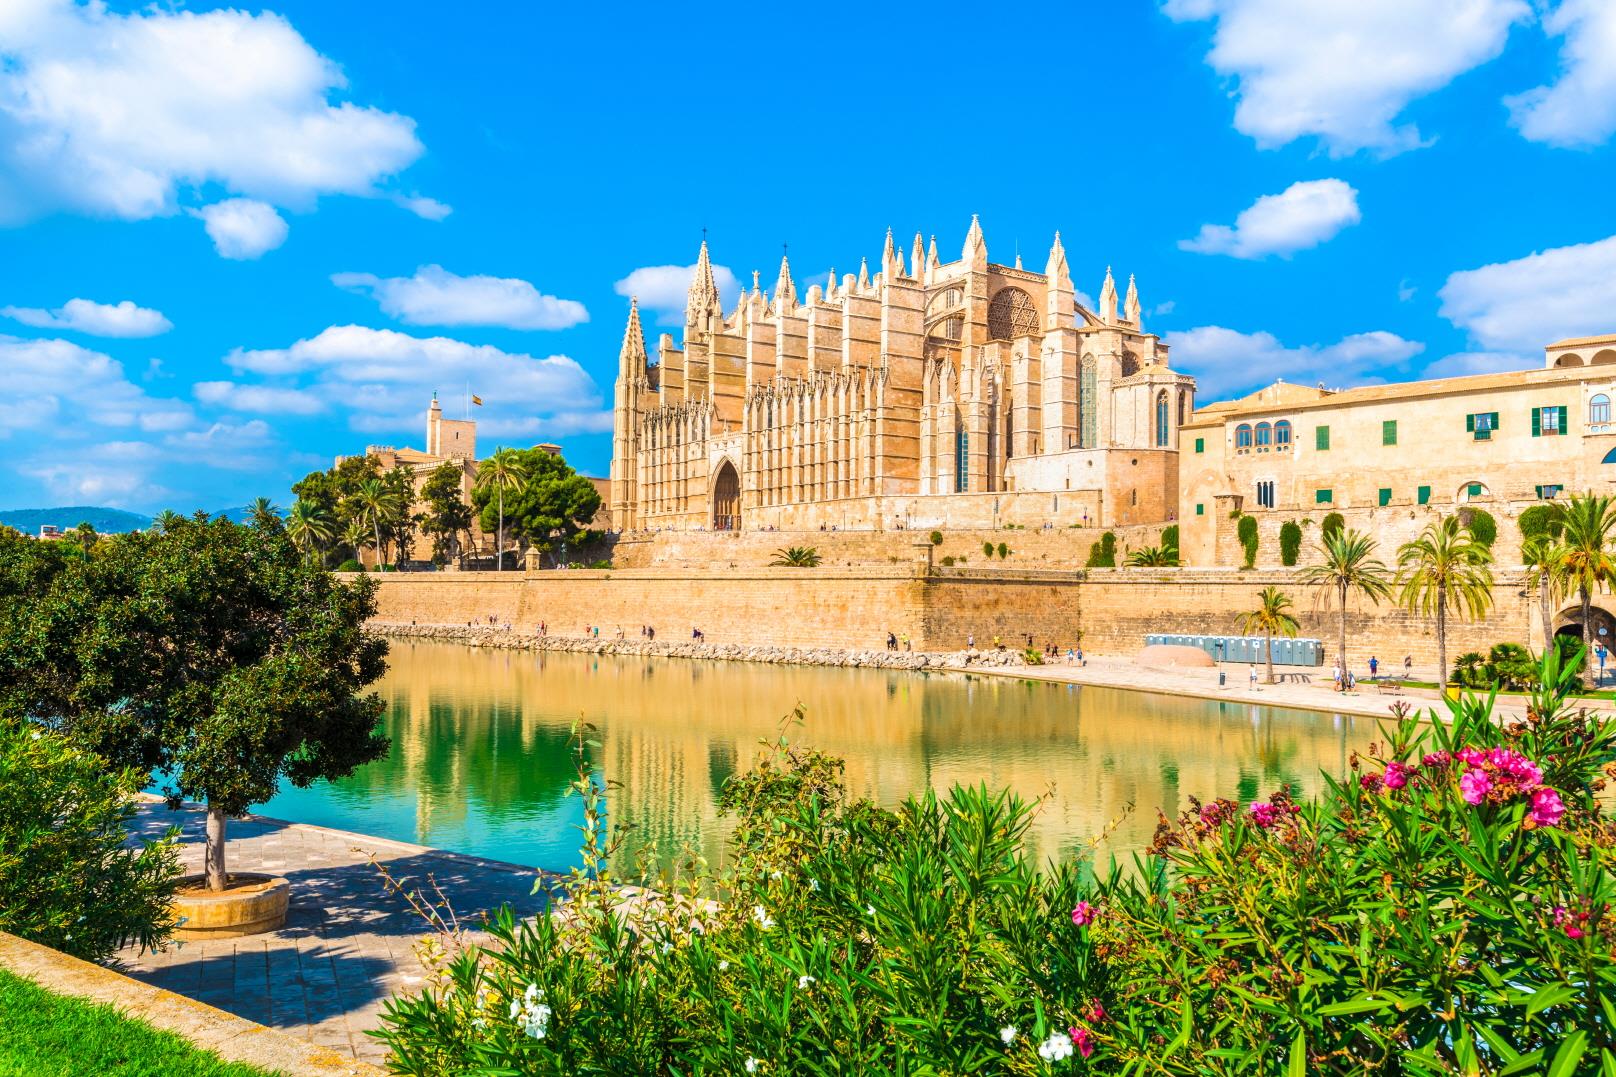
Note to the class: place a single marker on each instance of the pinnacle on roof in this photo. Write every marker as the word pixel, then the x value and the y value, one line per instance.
pixel 974 241
pixel 1108 298
pixel 864 274
pixel 1056 266
pixel 918 258
pixel 633 335
pixel 1130 308
pixel 785 291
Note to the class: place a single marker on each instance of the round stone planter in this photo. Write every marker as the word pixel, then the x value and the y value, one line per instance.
pixel 253 904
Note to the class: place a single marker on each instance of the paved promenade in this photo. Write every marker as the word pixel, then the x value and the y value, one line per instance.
pixel 347 944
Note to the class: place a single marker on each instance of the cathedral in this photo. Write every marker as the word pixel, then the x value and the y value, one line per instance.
pixel 928 394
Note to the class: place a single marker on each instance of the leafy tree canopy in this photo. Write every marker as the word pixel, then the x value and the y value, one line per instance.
pixel 553 504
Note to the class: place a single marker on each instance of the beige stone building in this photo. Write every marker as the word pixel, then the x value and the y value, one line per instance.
pixel 1390 458
pixel 929 394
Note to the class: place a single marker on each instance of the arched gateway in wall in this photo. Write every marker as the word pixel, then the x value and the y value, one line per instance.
pixel 727 499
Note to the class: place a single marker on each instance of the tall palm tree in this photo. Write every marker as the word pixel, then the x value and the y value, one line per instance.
pixel 1445 568
pixel 310 526
pixel 1586 561
pixel 1544 559
pixel 503 471
pixel 167 520
pixel 262 509
pixel 355 535
pixel 1273 614
pixel 1348 564
pixel 378 504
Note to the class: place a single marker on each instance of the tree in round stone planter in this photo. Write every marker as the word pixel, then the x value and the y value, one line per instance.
pixel 216 656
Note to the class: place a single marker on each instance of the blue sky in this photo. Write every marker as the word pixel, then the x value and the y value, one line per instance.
pixel 237 242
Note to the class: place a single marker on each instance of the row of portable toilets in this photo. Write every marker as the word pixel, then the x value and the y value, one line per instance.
pixel 1287 652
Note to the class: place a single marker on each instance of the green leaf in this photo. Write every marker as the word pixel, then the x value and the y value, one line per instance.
pixel 1357 1005
pixel 1570 1053
pixel 1298 1066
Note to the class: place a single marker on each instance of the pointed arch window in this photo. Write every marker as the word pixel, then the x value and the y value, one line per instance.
pixel 1161 419
pixel 1183 405
pixel 1242 436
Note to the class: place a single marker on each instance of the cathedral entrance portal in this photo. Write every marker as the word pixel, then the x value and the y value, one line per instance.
pixel 727 499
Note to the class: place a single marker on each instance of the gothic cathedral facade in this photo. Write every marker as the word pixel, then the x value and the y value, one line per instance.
pixel 927 395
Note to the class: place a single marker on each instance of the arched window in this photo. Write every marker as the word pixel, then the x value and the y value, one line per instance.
pixel 1011 314
pixel 1282 434
pixel 1265 434
pixel 1183 403
pixel 1599 409
pixel 1242 436
pixel 1161 418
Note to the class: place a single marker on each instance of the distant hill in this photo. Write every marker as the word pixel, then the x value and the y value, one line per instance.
pixel 105 521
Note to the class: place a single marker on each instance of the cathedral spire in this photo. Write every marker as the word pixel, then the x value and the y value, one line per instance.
pixel 932 264
pixel 976 247
pixel 702 304
pixel 1108 299
pixel 830 286
pixel 917 268
pixel 785 291
pixel 631 359
pixel 1055 269
pixel 1131 309
pixel 864 274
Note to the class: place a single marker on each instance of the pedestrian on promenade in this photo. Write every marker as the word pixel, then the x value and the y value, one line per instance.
pixel 650 633
pixel 1080 659
pixel 596 631
pixel 619 632
pixel 892 641
pixel 970 641
pixel 998 644
pixel 1374 665
pixel 1408 666
pixel 544 629
pixel 1252 676
pixel 907 646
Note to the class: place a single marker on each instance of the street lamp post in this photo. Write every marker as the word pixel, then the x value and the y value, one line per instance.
pixel 1219 646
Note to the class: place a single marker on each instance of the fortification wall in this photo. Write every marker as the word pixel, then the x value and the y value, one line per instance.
pixel 1390 527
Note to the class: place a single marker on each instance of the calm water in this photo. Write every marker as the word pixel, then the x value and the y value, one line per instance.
pixel 480 755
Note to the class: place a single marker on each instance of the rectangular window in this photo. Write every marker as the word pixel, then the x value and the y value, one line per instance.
pixel 1549 492
pixel 1200 510
pixel 1200 445
pixel 1388 432
pixel 962 456
pixel 1473 490
pixel 1548 422
pixel 1321 438
pixel 1323 497
pixel 1482 424
pixel 1265 494
pixel 1425 495
pixel 1385 496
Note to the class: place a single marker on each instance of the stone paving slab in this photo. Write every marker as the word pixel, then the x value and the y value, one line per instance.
pixel 347 945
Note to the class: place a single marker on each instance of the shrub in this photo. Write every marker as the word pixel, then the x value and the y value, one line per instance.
pixel 1290 542
pixel 987 549
pixel 1169 539
pixel 1571 653
pixel 1333 522
pixel 936 538
pixel 1470 670
pixel 1032 656
pixel 1541 520
pixel 948 561
pixel 69 879
pixel 1247 530
pixel 350 565
pixel 1442 908
pixel 796 557
pixel 1512 666
pixel 1004 551
pixel 1483 528
pixel 1103 554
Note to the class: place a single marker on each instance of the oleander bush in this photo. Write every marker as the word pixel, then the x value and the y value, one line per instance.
pixel 1444 907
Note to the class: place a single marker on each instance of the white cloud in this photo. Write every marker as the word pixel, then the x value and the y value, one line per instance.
pixel 1226 362
pixel 114 115
pixel 243 229
pixel 230 446
pixel 123 319
pixel 58 387
pixel 1466 363
pixel 1166 307
pixel 1579 109
pixel 384 378
pixel 663 289
pixel 116 473
pixel 1303 215
pixel 1084 300
pixel 264 399
pixel 435 296
pixel 426 208
pixel 1343 71
pixel 1533 301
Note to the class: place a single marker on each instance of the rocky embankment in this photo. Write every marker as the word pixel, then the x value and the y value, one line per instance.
pixel 498 637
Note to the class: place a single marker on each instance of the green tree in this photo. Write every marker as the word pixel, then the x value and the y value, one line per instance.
pixel 796 557
pixel 1444 569
pixel 447 515
pixel 213 655
pixel 1290 543
pixel 1153 557
pixel 550 508
pixel 1544 560
pixel 1586 562
pixel 1483 528
pixel 505 471
pixel 1103 554
pixel 1246 528
pixel 261 508
pixel 1169 541
pixel 1272 615
pixel 311 527
pixel 166 519
pixel 84 534
pixel 1541 520
pixel 1333 522
pixel 378 505
pixel 1348 564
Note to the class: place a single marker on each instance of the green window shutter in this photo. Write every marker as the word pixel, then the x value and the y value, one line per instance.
pixel 1323 497
pixel 1385 496
pixel 1493 415
pixel 1562 419
pixel 1200 445
pixel 1321 438
pixel 1474 490
pixel 1537 422
pixel 1425 495
pixel 1388 432
pixel 1200 510
pixel 1470 424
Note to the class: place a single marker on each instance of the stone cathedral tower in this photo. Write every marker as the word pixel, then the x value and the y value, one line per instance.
pixel 926 394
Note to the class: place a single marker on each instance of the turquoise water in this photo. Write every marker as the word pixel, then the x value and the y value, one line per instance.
pixel 480 761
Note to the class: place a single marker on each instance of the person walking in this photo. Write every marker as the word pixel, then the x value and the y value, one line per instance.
pixel 1374 666
pixel 970 641
pixel 892 640
pixel 1252 677
pixel 907 646
pixel 1408 667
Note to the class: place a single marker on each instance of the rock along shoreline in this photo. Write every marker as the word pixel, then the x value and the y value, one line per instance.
pixel 492 636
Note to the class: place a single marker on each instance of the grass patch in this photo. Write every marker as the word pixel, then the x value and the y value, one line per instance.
pixel 48 1035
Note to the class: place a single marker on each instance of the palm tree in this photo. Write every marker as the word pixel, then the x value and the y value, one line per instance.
pixel 262 509
pixel 1445 568
pixel 1273 614
pixel 354 536
pixel 378 504
pixel 1544 559
pixel 796 557
pixel 1349 564
pixel 504 470
pixel 310 526
pixel 1586 561
pixel 1154 557
pixel 167 520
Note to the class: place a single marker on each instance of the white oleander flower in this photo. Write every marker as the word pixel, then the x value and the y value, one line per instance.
pixel 813 884
pixel 869 910
pixel 774 876
pixel 723 966
pixel 804 981
pixel 1057 1048
pixel 761 915
pixel 1008 1034
pixel 751 1064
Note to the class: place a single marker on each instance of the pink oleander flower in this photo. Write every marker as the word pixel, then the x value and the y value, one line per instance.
pixel 1547 807
pixel 1565 921
pixel 1473 786
pixel 1083 914
pixel 1096 1013
pixel 1370 782
pixel 1436 759
pixel 1081 1040
pixel 1264 814
pixel 1397 775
